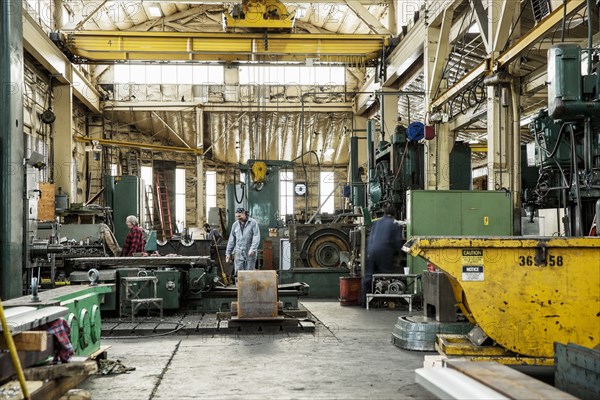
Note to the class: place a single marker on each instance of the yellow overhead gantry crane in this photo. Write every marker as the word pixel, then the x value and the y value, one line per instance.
pixel 110 46
pixel 259 14
pixel 268 38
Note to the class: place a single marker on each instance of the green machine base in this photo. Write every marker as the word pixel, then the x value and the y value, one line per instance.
pixel 83 302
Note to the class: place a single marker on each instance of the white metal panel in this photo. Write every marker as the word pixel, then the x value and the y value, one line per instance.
pixel 448 383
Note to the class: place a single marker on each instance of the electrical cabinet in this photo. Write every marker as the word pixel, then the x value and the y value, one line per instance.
pixel 122 195
pixel 456 213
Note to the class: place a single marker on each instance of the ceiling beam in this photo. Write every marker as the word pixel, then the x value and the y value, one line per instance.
pixel 408 51
pixel 171 129
pixel 310 28
pixel 153 106
pixel 138 145
pixel 442 51
pixel 481 20
pixel 463 120
pixel 435 10
pixel 365 2
pixel 87 11
pixel 538 32
pixel 534 81
pixel 190 12
pixel 525 42
pixel 365 16
pixel 37 43
pixel 506 10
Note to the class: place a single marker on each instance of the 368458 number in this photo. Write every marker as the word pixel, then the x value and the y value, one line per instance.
pixel 553 261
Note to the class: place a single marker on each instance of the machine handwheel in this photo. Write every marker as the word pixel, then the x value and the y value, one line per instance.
pixel 96 327
pixel 85 328
pixel 74 325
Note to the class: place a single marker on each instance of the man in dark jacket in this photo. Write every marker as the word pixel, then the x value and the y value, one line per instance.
pixel 385 243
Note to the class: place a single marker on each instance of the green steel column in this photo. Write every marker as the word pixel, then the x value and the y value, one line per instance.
pixel 358 190
pixel 370 156
pixel 11 148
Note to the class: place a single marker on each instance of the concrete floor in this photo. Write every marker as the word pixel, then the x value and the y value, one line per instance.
pixel 349 356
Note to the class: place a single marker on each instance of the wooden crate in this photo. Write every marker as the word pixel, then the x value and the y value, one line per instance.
pixel 46 207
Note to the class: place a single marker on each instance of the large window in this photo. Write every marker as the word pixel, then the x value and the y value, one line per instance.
pixel 326 188
pixel 180 198
pixel 286 193
pixel 169 74
pixel 114 170
pixel 211 191
pixel 292 75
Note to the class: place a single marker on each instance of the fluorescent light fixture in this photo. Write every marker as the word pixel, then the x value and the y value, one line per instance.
pixel 155 11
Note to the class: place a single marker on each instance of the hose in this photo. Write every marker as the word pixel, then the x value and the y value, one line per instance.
pixel 180 326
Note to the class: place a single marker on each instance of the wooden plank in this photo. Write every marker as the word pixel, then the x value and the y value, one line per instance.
pixel 46 207
pixel 56 388
pixel 28 341
pixel 12 390
pixel 77 394
pixel 27 358
pixel 100 354
pixel 459 345
pixel 507 381
pixel 55 371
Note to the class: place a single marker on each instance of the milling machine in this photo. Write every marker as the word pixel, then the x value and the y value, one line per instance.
pixel 567 143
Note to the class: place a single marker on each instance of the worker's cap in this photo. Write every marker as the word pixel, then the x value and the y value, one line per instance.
pixel 240 210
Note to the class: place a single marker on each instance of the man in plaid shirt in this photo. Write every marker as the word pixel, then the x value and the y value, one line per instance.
pixel 134 243
pixel 63 349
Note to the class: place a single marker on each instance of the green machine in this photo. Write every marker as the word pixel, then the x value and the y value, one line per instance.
pixel 456 213
pixel 83 302
pixel 168 286
pixel 394 167
pixel 567 141
pixel 319 256
pixel 122 194
pixel 261 194
pixel 460 167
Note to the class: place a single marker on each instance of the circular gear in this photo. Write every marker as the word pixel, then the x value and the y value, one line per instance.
pixel 322 248
pixel 396 287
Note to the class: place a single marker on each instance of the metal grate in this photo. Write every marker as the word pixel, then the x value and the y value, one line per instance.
pixel 541 8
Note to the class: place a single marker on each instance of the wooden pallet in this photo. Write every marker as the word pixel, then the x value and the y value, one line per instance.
pixel 452 345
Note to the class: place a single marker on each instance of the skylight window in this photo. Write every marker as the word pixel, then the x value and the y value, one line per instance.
pixel 154 11
pixel 291 75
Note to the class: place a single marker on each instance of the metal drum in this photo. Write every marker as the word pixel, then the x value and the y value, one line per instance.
pixel 419 332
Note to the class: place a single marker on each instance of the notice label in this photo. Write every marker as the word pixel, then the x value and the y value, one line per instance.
pixel 472 273
pixel 472 257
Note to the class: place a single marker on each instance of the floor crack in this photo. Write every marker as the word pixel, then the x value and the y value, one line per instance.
pixel 318 322
pixel 164 371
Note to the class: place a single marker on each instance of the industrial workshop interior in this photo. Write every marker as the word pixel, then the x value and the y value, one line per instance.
pixel 263 199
